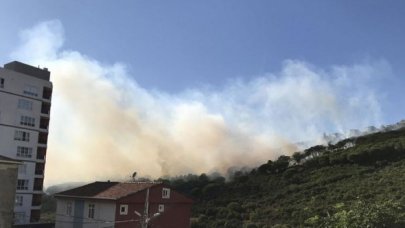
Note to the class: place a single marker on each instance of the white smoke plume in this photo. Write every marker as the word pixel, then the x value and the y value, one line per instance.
pixel 105 126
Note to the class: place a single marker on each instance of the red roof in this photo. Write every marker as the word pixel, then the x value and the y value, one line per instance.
pixel 106 190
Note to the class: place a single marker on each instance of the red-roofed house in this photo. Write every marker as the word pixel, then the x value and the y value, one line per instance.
pixel 121 205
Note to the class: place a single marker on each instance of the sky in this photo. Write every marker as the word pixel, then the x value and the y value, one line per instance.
pixel 216 83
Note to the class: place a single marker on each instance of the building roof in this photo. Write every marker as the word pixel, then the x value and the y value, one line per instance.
pixel 26 69
pixel 106 190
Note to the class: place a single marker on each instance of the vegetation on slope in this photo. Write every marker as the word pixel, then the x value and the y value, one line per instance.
pixel 358 182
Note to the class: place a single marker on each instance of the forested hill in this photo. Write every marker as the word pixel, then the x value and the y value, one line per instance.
pixel 358 182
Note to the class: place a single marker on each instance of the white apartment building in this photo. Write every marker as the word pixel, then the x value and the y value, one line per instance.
pixel 25 102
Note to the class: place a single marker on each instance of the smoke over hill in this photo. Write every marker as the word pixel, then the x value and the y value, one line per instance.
pixel 105 125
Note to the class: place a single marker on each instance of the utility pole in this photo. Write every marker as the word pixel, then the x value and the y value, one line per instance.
pixel 145 219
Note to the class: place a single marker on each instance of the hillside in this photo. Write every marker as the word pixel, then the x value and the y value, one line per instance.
pixel 357 182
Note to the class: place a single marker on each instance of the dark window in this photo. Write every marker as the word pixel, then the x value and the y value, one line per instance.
pixel 24 152
pixel 22 184
pixel 30 90
pixel 22 136
pixel 27 121
pixel 91 210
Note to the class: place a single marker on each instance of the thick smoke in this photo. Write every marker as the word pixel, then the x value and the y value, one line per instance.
pixel 105 126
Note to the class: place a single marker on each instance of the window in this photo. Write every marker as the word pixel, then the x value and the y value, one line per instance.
pixel 161 208
pixel 22 136
pixel 19 217
pixel 1 82
pixel 166 193
pixel 22 184
pixel 27 121
pixel 69 208
pixel 24 152
pixel 22 169
pixel 31 90
pixel 19 200
pixel 24 104
pixel 123 209
pixel 91 210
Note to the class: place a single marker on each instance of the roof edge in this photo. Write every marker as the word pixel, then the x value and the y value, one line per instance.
pixel 84 197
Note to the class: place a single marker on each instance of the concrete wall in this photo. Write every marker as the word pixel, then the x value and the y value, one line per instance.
pixel 19 81
pixel 9 145
pixel 12 116
pixel 8 180
pixel 104 214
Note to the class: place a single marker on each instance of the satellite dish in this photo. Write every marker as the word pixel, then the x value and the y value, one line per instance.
pixel 134 176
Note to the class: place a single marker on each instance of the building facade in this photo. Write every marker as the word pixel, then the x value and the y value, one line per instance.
pixel 122 205
pixel 25 102
pixel 8 180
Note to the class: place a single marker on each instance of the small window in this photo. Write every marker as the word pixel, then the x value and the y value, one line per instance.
pixel 91 210
pixel 22 136
pixel 27 121
pixel 1 82
pixel 161 208
pixel 69 208
pixel 24 104
pixel 22 184
pixel 123 209
pixel 166 193
pixel 19 200
pixel 24 152
pixel 19 217
pixel 31 90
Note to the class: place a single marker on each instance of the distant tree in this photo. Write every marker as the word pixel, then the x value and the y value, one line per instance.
pixel 281 164
pixel 297 156
pixel 203 177
pixel 211 190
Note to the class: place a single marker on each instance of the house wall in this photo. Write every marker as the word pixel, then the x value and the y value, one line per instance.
pixel 177 209
pixel 8 179
pixel 104 214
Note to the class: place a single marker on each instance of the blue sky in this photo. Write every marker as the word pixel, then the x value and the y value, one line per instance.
pixel 208 42
pixel 229 77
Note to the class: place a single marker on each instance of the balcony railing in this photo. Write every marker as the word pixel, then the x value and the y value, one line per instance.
pixel 39 172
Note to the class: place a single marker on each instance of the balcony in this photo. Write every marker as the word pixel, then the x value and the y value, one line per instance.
pixel 39 169
pixel 38 184
pixel 35 216
pixel 43 138
pixel 36 200
pixel 44 123
pixel 41 153
pixel 47 93
pixel 46 108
